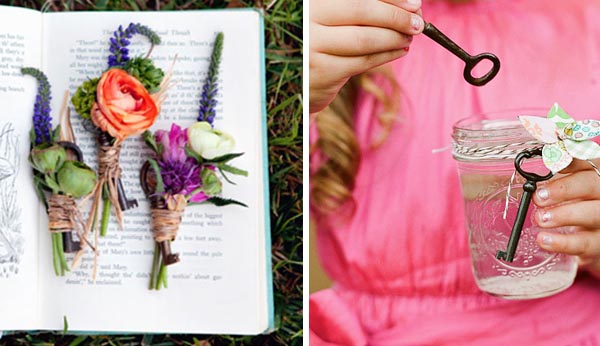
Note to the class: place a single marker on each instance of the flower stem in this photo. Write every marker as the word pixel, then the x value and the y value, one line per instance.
pixel 154 271
pixel 162 276
pixel 55 258
pixel 61 254
pixel 105 216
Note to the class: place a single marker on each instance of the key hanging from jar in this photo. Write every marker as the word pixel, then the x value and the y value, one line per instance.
pixel 529 188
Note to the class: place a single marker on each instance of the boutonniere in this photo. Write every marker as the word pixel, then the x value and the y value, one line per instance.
pixel 188 167
pixel 563 138
pixel 58 179
pixel 124 101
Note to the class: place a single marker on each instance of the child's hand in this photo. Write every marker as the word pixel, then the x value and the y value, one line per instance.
pixel 348 37
pixel 572 200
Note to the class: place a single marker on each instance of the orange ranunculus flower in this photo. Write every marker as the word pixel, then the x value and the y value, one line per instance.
pixel 123 106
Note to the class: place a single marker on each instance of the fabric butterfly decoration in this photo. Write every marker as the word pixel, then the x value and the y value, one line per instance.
pixel 563 138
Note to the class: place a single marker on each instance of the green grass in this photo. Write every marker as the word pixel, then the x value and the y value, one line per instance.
pixel 283 37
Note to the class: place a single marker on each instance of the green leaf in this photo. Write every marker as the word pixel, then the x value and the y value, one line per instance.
pixel 56 134
pixel 39 189
pixel 65 325
pixel 190 153
pixel 51 183
pixel 150 141
pixel 226 177
pixel 220 202
pixel 101 6
pixel 147 339
pixel 233 170
pixel 32 136
pixel 78 340
pixel 225 158
pixel 160 185
pixel 169 6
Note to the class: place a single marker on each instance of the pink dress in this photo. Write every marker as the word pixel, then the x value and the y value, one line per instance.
pixel 401 264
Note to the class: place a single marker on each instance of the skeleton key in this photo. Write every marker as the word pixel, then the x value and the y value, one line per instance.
pixel 528 189
pixel 470 60
pixel 105 140
pixel 123 201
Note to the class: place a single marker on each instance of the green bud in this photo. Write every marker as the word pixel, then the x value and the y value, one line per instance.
pixel 211 184
pixel 46 158
pixel 76 179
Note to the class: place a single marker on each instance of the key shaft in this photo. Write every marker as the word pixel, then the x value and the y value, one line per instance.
pixel 528 189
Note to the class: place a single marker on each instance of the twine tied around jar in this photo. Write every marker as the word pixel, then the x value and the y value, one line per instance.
pixel 495 152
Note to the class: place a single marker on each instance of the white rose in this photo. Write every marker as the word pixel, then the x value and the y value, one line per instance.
pixel 209 143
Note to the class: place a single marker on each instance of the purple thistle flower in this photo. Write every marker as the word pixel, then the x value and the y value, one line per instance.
pixel 180 173
pixel 42 122
pixel 180 177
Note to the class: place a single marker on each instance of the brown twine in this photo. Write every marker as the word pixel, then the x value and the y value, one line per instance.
pixel 64 216
pixel 166 220
pixel 61 213
pixel 109 172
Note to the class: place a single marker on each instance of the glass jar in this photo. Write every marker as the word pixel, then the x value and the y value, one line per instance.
pixel 485 151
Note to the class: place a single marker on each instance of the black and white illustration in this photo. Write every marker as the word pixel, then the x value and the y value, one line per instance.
pixel 11 235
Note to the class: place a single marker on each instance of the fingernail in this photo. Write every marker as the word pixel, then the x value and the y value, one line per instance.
pixel 546 239
pixel 417 23
pixel 415 2
pixel 542 193
pixel 546 216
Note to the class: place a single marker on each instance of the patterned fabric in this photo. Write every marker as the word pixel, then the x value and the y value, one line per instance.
pixel 565 138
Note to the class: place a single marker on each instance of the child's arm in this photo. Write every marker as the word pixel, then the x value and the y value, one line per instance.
pixel 348 37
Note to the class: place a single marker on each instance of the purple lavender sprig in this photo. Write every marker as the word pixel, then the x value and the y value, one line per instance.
pixel 42 122
pixel 210 88
pixel 121 39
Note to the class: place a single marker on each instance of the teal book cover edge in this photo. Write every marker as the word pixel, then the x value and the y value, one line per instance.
pixel 266 186
pixel 266 191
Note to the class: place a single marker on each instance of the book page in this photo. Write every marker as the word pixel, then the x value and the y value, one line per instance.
pixel 219 285
pixel 20 45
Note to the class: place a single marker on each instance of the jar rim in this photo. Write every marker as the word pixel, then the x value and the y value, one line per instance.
pixel 493 124
pixel 492 135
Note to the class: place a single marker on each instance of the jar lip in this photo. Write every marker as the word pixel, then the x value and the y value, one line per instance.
pixel 492 136
pixel 492 124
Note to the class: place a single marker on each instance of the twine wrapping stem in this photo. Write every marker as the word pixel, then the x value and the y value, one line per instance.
pixel 109 172
pixel 61 213
pixel 166 220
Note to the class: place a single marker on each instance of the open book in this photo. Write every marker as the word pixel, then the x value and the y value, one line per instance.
pixel 223 283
